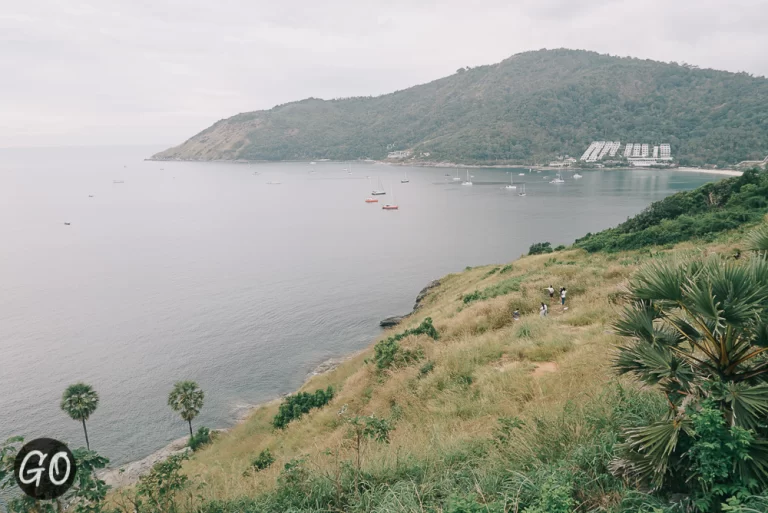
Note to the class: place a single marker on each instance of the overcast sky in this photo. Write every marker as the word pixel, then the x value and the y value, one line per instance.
pixel 81 72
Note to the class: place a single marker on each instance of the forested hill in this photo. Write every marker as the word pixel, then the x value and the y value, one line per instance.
pixel 528 108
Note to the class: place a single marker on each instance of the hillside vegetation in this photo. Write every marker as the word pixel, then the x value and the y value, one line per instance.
pixel 526 109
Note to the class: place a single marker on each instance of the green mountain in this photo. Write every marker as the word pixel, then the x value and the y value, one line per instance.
pixel 526 109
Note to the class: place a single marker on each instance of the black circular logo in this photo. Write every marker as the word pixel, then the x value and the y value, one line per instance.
pixel 44 469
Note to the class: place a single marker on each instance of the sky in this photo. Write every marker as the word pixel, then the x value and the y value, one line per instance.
pixel 135 72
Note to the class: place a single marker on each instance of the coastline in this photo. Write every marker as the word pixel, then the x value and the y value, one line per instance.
pixel 453 165
pixel 129 473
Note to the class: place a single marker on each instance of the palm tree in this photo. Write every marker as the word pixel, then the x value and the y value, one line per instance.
pixel 698 330
pixel 79 402
pixel 186 399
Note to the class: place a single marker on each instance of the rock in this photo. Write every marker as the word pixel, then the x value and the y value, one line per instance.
pixel 431 285
pixel 129 473
pixel 392 321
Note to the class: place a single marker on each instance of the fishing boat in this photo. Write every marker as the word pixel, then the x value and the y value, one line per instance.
pixel 577 176
pixel 468 181
pixel 371 200
pixel 273 183
pixel 67 224
pixel 313 163
pixel 118 181
pixel 557 179
pixel 393 205
pixel 511 183
pixel 380 191
pixel 456 178
pixel 521 174
pixel 522 193
pixel 405 180
pixel 90 195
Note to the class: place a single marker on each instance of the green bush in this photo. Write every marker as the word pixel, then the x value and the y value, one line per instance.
pixel 540 248
pixel 294 406
pixel 426 368
pixel 498 289
pixel 388 352
pixel 507 268
pixel 200 439
pixel 263 460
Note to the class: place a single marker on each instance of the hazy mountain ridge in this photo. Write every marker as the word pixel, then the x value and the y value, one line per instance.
pixel 526 109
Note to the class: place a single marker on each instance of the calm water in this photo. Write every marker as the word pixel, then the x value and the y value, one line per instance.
pixel 205 272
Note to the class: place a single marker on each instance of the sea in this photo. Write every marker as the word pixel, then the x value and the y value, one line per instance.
pixel 242 277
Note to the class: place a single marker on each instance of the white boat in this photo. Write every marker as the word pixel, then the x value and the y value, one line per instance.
pixel 522 193
pixel 511 183
pixel 380 191
pixel 118 181
pixel 557 179
pixel 577 175
pixel 313 163
pixel 521 174
pixel 393 205
pixel 273 183
pixel 456 178
pixel 405 180
pixel 468 182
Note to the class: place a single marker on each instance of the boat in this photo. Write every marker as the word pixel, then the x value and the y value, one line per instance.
pixel 380 191
pixel 557 179
pixel 468 182
pixel 393 205
pixel 405 180
pixel 522 193
pixel 90 195
pixel 67 224
pixel 511 183
pixel 313 163
pixel 577 175
pixel 371 200
pixel 349 171
pixel 273 183
pixel 118 181
pixel 521 174
pixel 456 178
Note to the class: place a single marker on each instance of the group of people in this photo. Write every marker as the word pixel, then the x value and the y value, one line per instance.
pixel 544 309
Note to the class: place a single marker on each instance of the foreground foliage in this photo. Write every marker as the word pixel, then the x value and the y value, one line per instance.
pixel 698 331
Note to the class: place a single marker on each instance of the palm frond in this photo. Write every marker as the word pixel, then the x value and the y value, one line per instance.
pixel 757 240
pixel 748 403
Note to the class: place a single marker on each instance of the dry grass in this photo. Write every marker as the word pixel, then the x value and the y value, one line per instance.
pixel 486 365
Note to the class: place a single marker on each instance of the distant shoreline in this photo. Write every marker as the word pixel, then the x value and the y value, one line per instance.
pixel 725 172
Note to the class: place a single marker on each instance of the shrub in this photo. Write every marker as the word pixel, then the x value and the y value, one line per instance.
pixel 498 289
pixel 492 272
pixel 540 248
pixel 426 368
pixel 200 439
pixel 561 247
pixel 294 406
pixel 388 352
pixel 263 460
pixel 507 268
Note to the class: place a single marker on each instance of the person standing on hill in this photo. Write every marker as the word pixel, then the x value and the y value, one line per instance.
pixel 516 315
pixel 562 296
pixel 551 291
pixel 543 310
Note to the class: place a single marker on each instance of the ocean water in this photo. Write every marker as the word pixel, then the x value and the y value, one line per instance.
pixel 204 271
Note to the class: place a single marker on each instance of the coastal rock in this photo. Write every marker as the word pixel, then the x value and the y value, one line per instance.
pixel 431 285
pixel 392 321
pixel 129 473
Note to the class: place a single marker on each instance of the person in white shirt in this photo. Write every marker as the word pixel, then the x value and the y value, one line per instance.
pixel 543 310
pixel 562 296
pixel 551 291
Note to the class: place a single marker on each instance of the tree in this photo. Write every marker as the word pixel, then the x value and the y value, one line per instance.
pixel 186 399
pixel 698 330
pixel 79 402
pixel 366 427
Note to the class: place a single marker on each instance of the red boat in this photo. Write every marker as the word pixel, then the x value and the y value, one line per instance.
pixel 371 200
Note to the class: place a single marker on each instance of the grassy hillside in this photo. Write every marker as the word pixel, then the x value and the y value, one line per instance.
pixel 525 109
pixel 472 411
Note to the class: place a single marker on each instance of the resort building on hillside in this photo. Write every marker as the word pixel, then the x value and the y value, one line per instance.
pixel 401 154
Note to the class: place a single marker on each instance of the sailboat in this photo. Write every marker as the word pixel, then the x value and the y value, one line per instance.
pixel 349 171
pixel 456 178
pixel 393 205
pixel 380 191
pixel 370 199
pixel 511 183
pixel 468 182
pixel 558 179
pixel 522 193
pixel 405 180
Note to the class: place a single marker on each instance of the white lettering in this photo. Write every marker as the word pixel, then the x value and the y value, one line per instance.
pixel 55 465
pixel 38 471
